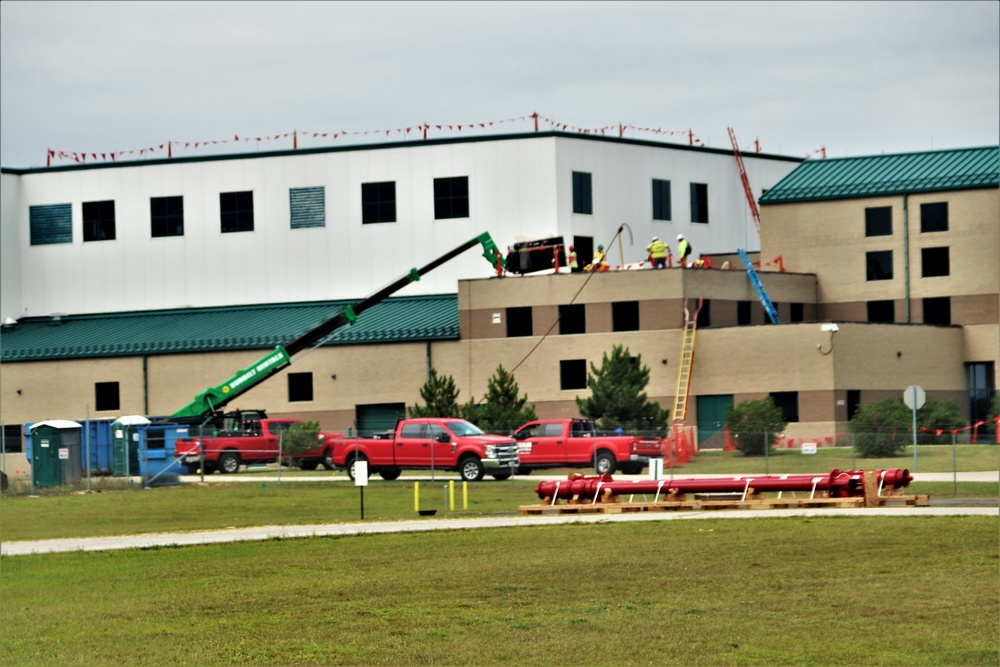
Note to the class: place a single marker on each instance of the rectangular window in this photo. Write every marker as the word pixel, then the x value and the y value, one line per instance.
pixel 52 223
pixel 937 310
pixel 705 314
pixel 798 312
pixel 106 396
pixel 300 387
pixel 573 374
pixel 236 211
pixel 625 316
pixel 882 311
pixel 743 313
pixel 13 440
pixel 519 322
pixel 99 220
pixel 451 197
pixel 699 202
pixel 879 265
pixel 582 193
pixel 788 403
pixel 934 262
pixel 166 216
pixel 378 202
pixel 661 200
pixel 981 390
pixel 572 319
pixel 853 401
pixel 934 217
pixel 878 221
pixel 307 207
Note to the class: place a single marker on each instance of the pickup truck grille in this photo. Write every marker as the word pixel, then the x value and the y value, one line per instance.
pixel 507 454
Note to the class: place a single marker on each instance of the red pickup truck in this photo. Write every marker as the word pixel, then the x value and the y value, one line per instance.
pixel 425 443
pixel 575 443
pixel 255 441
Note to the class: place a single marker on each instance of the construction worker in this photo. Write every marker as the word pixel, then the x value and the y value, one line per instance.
pixel 574 266
pixel 598 264
pixel 683 249
pixel 658 253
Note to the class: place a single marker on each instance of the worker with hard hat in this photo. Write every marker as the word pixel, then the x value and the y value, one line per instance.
pixel 658 253
pixel 683 249
pixel 574 265
pixel 598 264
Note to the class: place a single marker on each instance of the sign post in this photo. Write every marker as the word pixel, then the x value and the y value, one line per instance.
pixel 914 398
pixel 361 481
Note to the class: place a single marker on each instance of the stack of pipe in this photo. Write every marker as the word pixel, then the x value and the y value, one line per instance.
pixel 836 484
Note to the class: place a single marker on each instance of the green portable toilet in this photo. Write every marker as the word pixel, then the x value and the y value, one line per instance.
pixel 55 452
pixel 125 445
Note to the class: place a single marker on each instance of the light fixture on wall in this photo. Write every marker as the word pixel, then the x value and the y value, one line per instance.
pixel 664 361
pixel 333 377
pixel 18 392
pixel 898 354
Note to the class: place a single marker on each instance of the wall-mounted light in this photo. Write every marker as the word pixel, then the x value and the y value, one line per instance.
pixel 333 377
pixel 898 354
pixel 663 361
pixel 18 392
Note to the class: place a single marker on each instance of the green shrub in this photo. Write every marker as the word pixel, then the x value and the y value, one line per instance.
pixel 754 425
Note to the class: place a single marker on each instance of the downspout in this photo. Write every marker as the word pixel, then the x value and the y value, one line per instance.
pixel 906 258
pixel 145 387
pixel 429 366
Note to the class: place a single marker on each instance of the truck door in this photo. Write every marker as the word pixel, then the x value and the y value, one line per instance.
pixel 443 454
pixel 548 445
pixel 412 446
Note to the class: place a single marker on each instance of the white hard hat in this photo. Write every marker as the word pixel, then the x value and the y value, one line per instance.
pixel 680 237
pixel 656 238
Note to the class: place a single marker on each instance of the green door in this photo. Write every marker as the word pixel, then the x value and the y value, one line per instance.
pixel 45 465
pixel 712 420
pixel 379 417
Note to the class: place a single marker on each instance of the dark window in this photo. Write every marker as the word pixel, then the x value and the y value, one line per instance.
pixel 236 210
pixel 882 311
pixel 699 202
pixel 572 319
pixel 661 200
pixel 300 387
pixel 582 193
pixel 788 403
pixel 99 220
pixel 451 197
pixel 625 316
pixel 13 440
pixel 106 396
pixel 519 322
pixel 981 390
pixel 878 221
pixel 879 264
pixel 705 314
pixel 307 207
pixel 853 401
pixel 934 217
pixel 798 312
pixel 573 374
pixel 166 216
pixel 934 262
pixel 743 313
pixel 937 310
pixel 378 202
pixel 52 223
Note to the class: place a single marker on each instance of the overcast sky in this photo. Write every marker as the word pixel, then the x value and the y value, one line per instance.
pixel 855 77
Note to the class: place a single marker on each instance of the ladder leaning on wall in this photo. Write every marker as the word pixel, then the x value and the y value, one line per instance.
pixel 759 287
pixel 687 359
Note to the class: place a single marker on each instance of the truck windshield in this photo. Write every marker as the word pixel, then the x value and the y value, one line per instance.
pixel 461 428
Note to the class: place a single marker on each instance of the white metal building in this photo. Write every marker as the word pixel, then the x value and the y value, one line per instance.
pixel 338 223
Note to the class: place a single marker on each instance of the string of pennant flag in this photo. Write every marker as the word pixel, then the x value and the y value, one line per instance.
pixel 167 148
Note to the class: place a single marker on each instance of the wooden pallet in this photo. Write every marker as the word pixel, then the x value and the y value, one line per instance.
pixel 682 504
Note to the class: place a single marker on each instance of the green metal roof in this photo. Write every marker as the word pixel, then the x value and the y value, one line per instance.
pixel 879 175
pixel 400 319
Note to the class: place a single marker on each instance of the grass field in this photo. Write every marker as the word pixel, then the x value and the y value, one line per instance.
pixel 826 591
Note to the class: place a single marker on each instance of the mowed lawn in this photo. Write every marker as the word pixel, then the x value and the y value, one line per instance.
pixel 776 591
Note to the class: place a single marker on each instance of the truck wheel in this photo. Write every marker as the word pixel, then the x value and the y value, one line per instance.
pixel 328 459
pixel 605 464
pixel 471 469
pixel 524 470
pixel 390 474
pixel 501 476
pixel 228 463
pixel 351 465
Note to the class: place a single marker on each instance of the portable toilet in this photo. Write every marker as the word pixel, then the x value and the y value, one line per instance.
pixel 55 452
pixel 125 444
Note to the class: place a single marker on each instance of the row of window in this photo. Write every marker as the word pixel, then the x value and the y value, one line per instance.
pixel 53 223
pixel 937 310
pixel 933 218
pixel 583 202
pixel 934 263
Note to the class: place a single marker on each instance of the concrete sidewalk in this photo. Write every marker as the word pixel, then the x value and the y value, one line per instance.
pixel 425 525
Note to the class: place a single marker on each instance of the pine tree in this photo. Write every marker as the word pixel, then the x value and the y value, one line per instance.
pixel 440 397
pixel 617 396
pixel 502 410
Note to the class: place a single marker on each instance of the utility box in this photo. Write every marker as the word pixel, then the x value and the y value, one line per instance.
pixel 125 445
pixel 55 452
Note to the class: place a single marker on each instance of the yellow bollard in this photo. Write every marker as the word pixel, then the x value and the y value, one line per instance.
pixel 416 497
pixel 465 495
pixel 451 495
